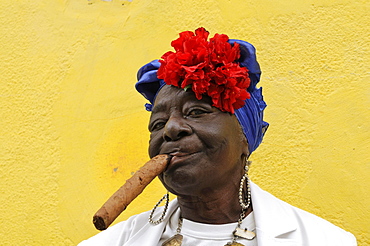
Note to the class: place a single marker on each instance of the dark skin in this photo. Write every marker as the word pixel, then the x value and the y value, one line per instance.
pixel 208 149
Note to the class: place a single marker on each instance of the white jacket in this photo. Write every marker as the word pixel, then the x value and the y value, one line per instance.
pixel 277 224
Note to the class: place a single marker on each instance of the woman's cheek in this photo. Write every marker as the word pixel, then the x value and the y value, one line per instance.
pixel 154 144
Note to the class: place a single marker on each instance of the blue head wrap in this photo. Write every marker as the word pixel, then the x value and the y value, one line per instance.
pixel 250 116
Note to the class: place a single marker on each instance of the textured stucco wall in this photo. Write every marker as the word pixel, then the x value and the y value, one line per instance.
pixel 73 128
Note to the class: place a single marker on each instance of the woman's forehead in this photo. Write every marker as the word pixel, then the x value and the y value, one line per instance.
pixel 169 91
pixel 172 96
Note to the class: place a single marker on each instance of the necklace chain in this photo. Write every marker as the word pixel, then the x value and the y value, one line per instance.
pixel 179 225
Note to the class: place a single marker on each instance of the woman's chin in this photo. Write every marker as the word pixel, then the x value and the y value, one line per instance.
pixel 179 182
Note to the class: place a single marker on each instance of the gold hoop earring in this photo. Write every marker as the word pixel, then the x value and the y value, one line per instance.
pixel 241 187
pixel 165 197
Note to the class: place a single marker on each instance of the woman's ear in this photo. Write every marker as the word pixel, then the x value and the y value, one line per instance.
pixel 245 147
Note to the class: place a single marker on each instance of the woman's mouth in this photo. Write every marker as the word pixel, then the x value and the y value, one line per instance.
pixel 179 157
pixel 178 154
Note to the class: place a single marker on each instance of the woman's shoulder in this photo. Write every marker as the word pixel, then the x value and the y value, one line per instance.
pixel 127 230
pixel 279 221
pixel 118 233
pixel 317 229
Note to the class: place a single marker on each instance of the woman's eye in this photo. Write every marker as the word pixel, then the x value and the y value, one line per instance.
pixel 196 112
pixel 158 125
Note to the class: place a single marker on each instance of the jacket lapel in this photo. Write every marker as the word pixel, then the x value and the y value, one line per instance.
pixel 275 221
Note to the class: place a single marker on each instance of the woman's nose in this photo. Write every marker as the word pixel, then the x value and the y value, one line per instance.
pixel 176 128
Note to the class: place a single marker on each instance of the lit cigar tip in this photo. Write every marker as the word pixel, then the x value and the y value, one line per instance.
pixel 99 223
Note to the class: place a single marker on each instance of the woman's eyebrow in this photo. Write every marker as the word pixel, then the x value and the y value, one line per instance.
pixel 158 108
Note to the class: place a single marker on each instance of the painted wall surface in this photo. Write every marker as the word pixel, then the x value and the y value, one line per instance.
pixel 73 129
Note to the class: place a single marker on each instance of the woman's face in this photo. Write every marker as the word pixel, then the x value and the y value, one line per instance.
pixel 207 145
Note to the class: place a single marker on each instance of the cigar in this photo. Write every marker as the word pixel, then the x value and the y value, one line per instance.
pixel 118 202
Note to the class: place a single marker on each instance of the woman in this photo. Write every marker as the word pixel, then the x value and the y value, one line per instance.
pixel 208 115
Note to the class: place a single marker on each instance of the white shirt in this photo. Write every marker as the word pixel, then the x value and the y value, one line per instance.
pixel 207 234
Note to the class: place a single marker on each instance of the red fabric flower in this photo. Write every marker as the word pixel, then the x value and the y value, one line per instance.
pixel 208 67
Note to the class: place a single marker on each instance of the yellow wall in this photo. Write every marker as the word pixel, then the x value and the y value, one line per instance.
pixel 73 128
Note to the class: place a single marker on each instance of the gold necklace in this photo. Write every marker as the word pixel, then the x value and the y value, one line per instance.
pixel 176 240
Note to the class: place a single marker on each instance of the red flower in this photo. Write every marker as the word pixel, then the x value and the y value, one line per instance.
pixel 208 67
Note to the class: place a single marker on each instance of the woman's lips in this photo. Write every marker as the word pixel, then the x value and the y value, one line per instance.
pixel 178 154
pixel 179 157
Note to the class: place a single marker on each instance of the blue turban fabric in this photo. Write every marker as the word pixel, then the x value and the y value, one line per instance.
pixel 250 116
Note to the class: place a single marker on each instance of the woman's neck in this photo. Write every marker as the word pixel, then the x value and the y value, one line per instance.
pixel 219 206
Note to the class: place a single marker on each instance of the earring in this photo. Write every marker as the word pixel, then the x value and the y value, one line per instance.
pixel 241 187
pixel 167 197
